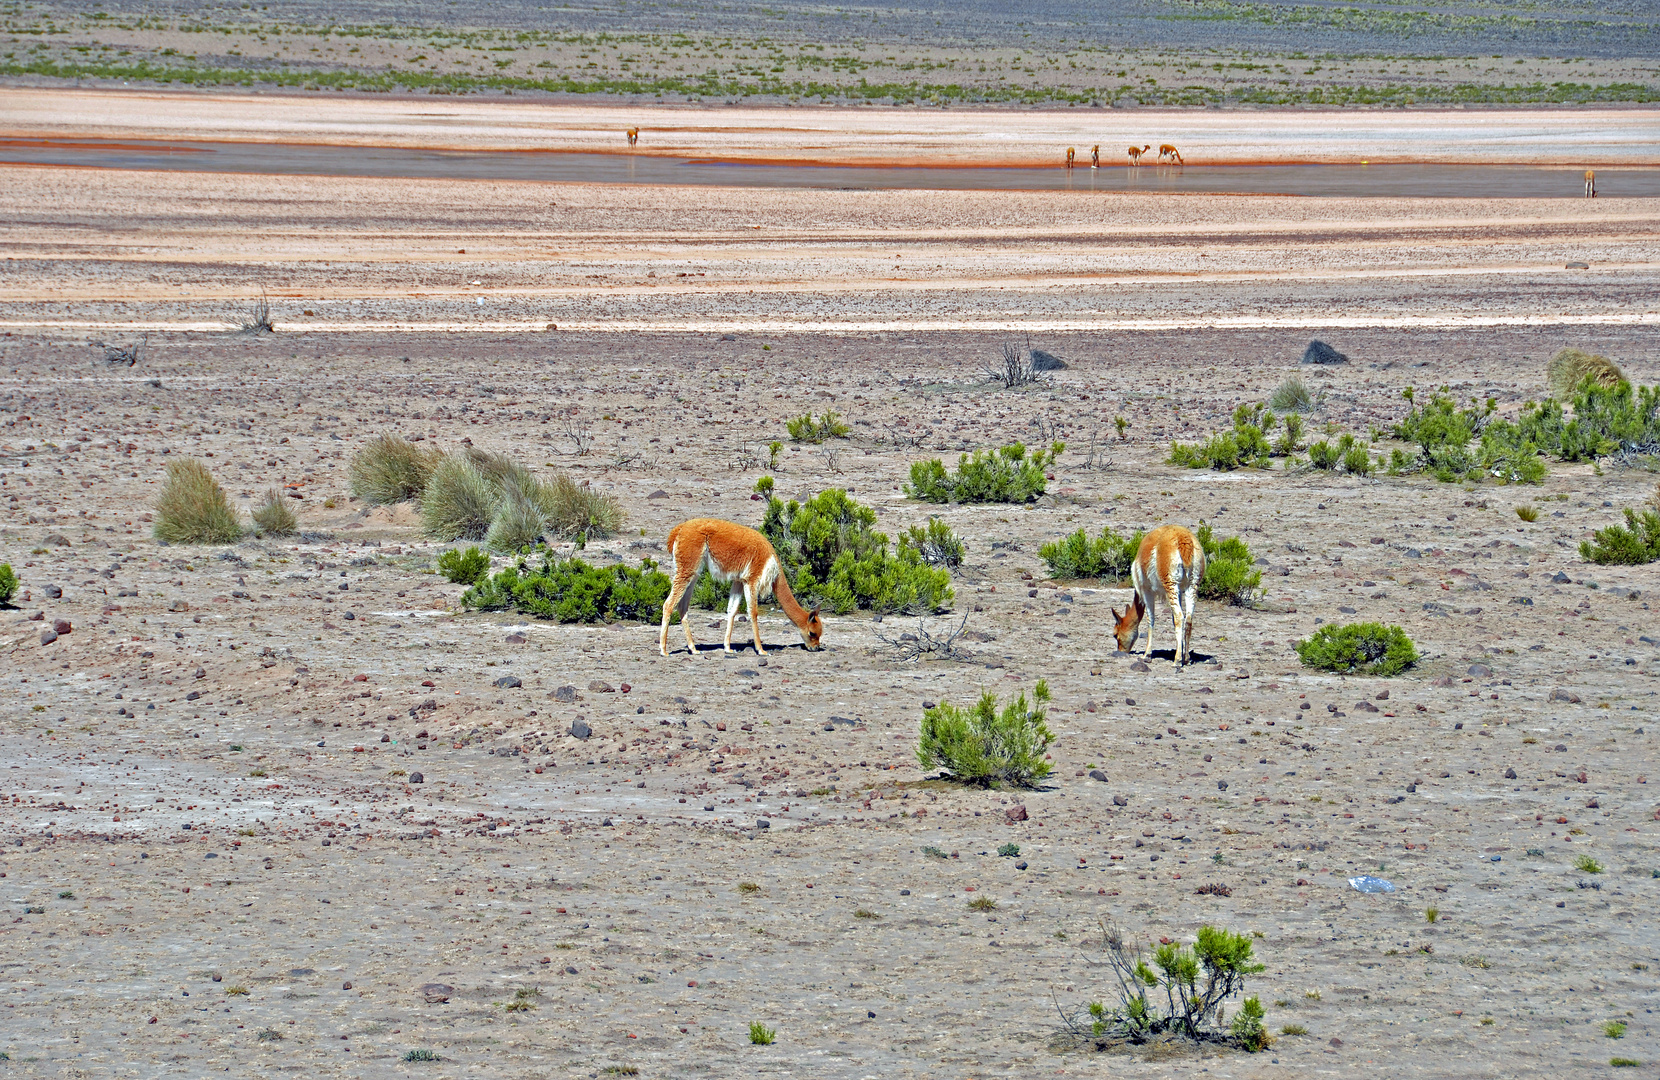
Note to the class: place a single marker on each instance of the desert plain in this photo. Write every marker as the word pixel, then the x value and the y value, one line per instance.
pixel 216 857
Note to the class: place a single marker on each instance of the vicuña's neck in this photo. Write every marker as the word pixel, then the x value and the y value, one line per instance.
pixel 786 600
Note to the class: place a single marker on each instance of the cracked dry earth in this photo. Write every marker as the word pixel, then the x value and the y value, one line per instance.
pixel 216 857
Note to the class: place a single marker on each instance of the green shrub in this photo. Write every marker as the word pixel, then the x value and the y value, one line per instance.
pixel 1231 575
pixel 1570 368
pixel 760 1034
pixel 1505 451
pixel 391 470
pixel 570 590
pixel 459 502
pixel 1587 865
pixel 1624 1062
pixel 464 567
pixel 422 1055
pixel 1004 475
pixel 982 745
pixel 805 429
pixel 8 584
pixel 1109 555
pixel 1614 1029
pixel 1009 850
pixel 1323 455
pixel 935 542
pixel 1247 1026
pixel 1246 446
pixel 1359 649
pixel 193 509
pixel 1606 420
pixel 1633 544
pixel 1528 513
pixel 1291 439
pixel 1195 982
pixel 275 517
pixel 1292 396
pixel 834 558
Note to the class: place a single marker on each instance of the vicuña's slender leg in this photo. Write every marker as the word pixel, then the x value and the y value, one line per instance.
pixel 685 609
pixel 754 617
pixel 1187 626
pixel 733 598
pixel 1152 622
pixel 1175 601
pixel 679 596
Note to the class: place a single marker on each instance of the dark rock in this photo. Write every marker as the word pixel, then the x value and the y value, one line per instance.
pixel 600 686
pixel 1442 681
pixel 565 693
pixel 1559 578
pixel 1017 812
pixel 508 682
pixel 514 639
pixel 436 993
pixel 1318 352
pixel 658 494
pixel 193 695
pixel 1221 785
pixel 1559 694
pixel 1366 706
pixel 1510 774
pixel 345 986
pixel 1381 695
pixel 52 592
pixel 1335 1042
pixel 1042 361
pixel 1562 748
pixel 48 636
pixel 55 540
pixel 1525 601
pixel 580 729
pixel 1479 671
pixel 607 821
pixel 1120 800
pixel 763 823
pixel 417 778
pixel 1097 774
pixel 1576 266
pixel 1139 666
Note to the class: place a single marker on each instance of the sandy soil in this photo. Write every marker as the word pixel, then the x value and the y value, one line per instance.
pixel 276 698
pixel 1569 137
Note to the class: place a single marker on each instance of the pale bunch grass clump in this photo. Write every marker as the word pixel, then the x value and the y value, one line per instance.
pixel 572 509
pixel 458 502
pixel 193 509
pixel 275 517
pixel 1292 396
pixel 391 470
pixel 1570 367
pixel 480 495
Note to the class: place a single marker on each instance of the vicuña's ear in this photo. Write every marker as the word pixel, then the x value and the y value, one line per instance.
pixel 813 614
pixel 1115 613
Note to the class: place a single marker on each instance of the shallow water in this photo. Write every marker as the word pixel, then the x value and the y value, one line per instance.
pixel 1450 181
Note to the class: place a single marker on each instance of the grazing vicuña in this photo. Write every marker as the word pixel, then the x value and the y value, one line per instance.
pixel 1170 561
pixel 741 556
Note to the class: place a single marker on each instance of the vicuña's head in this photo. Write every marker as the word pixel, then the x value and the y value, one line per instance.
pixel 1126 624
pixel 812 633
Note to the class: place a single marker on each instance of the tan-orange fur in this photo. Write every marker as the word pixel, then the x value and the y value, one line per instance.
pixel 1590 184
pixel 1135 155
pixel 1170 561
pixel 1069 155
pixel 633 135
pixel 1168 151
pixel 738 555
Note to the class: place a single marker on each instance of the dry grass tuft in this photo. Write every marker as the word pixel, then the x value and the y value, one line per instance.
pixel 572 509
pixel 275 517
pixel 391 470
pixel 459 502
pixel 193 509
pixel 518 524
pixel 1570 367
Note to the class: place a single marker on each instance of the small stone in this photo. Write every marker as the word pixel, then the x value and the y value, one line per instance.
pixel 1043 361
pixel 565 693
pixel 1318 352
pixel 55 540
pixel 1021 865
pixel 1559 578
pixel 509 682
pixel 1479 671
pixel 1576 266
pixel 53 592
pixel 1381 695
pixel 600 686
pixel 1365 706
pixel 1139 666
pixel 607 821
pixel 1221 785
pixel 345 986
pixel 437 993
pixel 658 494
pixel 514 639
pixel 1559 694
pixel 762 823
pixel 1097 774
pixel 580 729
pixel 417 778
pixel 572 971
pixel 1335 1042
pixel 1017 812
pixel 1561 748
pixel 1120 800
pixel 1510 774
pixel 48 636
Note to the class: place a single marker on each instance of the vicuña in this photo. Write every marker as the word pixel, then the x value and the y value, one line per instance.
pixel 735 554
pixel 1170 561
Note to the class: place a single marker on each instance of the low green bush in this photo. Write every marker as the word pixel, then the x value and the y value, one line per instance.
pixel 518 523
pixel 1108 556
pixel 1504 451
pixel 275 517
pixel 391 470
pixel 1358 649
pixel 464 567
pixel 1231 575
pixel 1005 475
pixel 987 746
pixel 1247 445
pixel 1347 454
pixel 833 557
pixel 1179 993
pixel 1633 544
pixel 8 584
pixel 935 542
pixel 571 590
pixel 1607 420
pixel 805 429
pixel 760 1034
pixel 193 509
